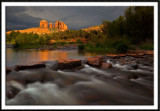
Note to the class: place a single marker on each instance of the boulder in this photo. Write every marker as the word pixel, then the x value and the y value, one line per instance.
pixel 133 55
pixel 30 66
pixel 113 56
pixel 69 64
pixel 106 65
pixel 60 25
pixel 96 61
pixel 8 70
pixel 43 24
pixel 149 52
pixel 134 66
pixel 12 91
pixel 92 96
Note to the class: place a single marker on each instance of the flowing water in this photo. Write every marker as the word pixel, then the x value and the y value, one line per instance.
pixel 26 56
pixel 120 85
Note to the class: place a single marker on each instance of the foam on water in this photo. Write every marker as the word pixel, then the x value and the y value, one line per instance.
pixel 38 93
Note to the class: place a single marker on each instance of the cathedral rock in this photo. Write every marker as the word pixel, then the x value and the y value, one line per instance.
pixel 44 28
pixel 44 24
pixel 58 25
pixel 50 25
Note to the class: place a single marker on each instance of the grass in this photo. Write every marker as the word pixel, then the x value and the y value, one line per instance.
pixel 27 46
pixel 146 47
pixel 97 48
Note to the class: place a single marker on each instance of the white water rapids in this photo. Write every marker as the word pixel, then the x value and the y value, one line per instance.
pixel 88 86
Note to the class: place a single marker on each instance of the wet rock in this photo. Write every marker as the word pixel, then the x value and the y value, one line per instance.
pixel 122 55
pixel 34 78
pixel 12 91
pixel 134 66
pixel 149 52
pixel 78 68
pixel 106 65
pixel 133 55
pixel 69 64
pixel 116 56
pixel 127 77
pixel 112 56
pixel 30 66
pixel 92 96
pixel 8 70
pixel 134 76
pixel 54 66
pixel 96 61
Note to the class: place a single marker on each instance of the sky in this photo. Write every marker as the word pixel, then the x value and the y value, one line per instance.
pixel 23 17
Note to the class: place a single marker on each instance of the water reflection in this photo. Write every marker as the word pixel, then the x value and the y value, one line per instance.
pixel 26 56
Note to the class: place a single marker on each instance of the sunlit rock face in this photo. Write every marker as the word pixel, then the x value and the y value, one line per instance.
pixel 60 25
pixel 50 25
pixel 43 24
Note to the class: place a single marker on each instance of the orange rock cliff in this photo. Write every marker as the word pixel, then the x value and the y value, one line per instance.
pixel 45 28
pixel 58 25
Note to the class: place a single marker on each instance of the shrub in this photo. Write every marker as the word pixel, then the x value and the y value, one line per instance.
pixel 16 45
pixel 79 41
pixel 71 42
pixel 121 47
pixel 80 47
pixel 146 46
pixel 54 45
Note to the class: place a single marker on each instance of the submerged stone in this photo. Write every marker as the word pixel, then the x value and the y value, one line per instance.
pixel 30 66
pixel 8 70
pixel 69 64
pixel 106 65
pixel 94 61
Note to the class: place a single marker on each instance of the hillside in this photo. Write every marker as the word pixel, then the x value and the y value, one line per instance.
pixel 97 28
pixel 37 30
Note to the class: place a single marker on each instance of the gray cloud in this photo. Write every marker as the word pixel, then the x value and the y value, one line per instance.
pixel 74 17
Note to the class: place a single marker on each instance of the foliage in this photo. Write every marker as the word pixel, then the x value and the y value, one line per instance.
pixel 121 47
pixel 126 32
pixel 81 47
pixel 136 24
pixel 147 45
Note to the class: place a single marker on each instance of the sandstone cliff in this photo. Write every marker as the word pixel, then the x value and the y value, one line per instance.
pixel 43 28
pixel 96 28
pixel 60 25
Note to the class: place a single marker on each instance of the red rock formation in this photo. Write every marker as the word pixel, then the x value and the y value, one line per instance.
pixel 57 25
pixel 50 25
pixel 43 24
pixel 53 26
pixel 44 28
pixel 60 25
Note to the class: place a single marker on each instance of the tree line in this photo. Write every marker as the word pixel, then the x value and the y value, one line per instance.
pixel 133 29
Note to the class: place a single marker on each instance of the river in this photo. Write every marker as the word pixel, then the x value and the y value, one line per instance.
pixel 25 56
pixel 122 84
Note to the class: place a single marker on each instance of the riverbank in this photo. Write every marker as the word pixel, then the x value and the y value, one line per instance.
pixel 75 48
pixel 101 80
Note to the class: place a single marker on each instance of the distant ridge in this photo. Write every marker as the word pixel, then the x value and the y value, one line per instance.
pixel 96 28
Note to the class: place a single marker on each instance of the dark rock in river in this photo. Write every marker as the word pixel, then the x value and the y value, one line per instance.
pixel 96 61
pixel 115 56
pixel 30 66
pixel 69 64
pixel 134 66
pixel 106 65
pixel 54 66
pixel 8 70
pixel 12 91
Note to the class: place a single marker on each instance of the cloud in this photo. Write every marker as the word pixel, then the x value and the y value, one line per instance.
pixel 75 17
